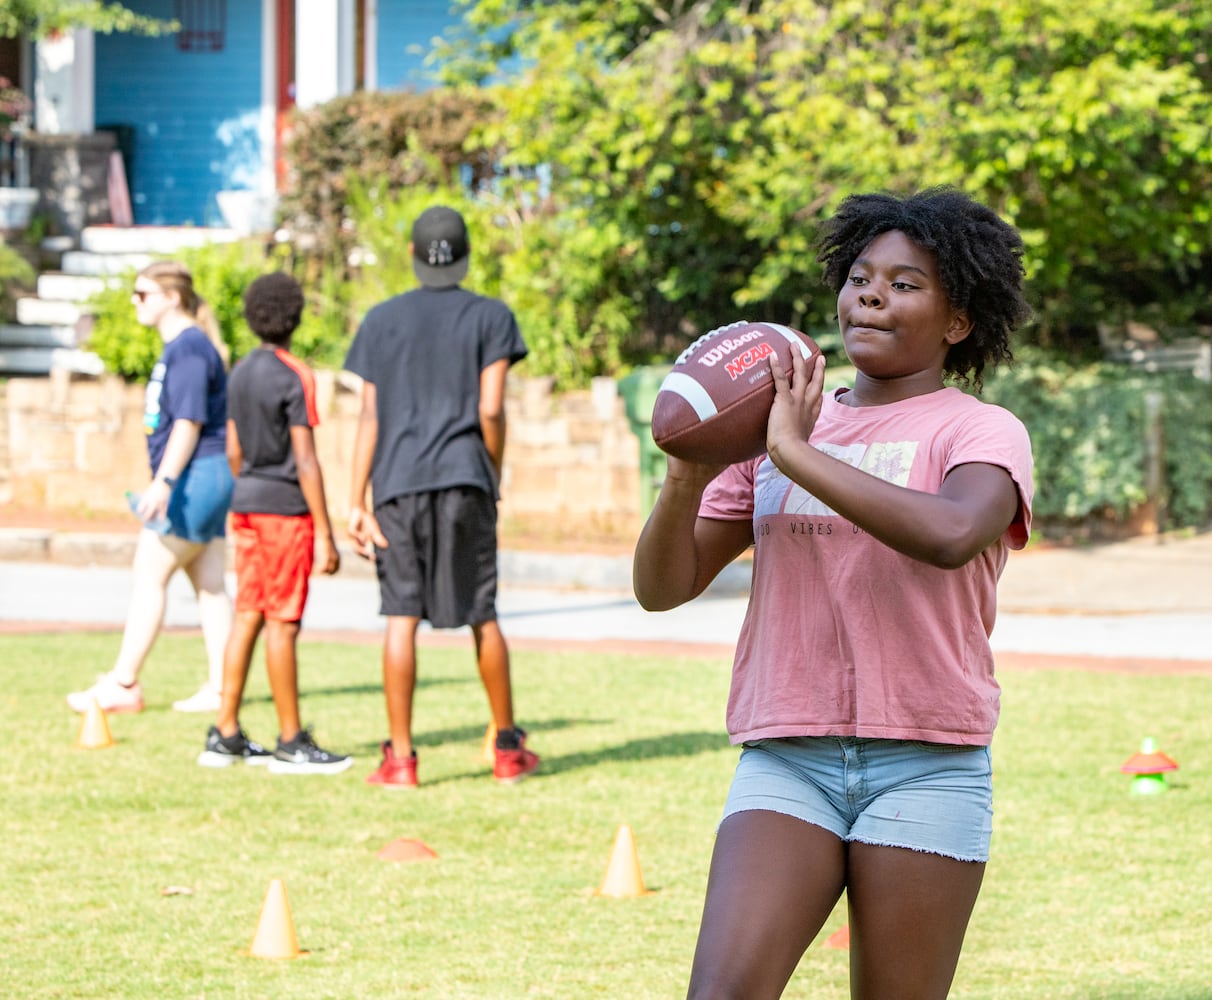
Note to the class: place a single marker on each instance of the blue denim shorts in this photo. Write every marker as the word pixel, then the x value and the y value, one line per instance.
pixel 197 508
pixel 930 797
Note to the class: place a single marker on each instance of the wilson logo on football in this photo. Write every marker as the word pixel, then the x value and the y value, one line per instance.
pixel 717 353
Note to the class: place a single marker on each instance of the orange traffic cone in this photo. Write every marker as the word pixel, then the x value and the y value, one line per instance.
pixel 839 938
pixel 275 937
pixel 623 878
pixel 405 849
pixel 488 752
pixel 94 729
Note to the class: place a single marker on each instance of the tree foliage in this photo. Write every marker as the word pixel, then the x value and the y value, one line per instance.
pixel 691 147
pixel 40 18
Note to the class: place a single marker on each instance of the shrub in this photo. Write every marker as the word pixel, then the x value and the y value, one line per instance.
pixel 15 273
pixel 381 141
pixel 1088 437
pixel 221 273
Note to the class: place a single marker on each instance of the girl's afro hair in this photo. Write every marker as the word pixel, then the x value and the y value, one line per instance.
pixel 979 259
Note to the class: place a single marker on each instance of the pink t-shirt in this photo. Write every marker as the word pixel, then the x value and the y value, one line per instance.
pixel 845 636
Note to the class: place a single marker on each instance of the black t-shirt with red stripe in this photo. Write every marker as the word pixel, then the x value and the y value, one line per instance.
pixel 269 392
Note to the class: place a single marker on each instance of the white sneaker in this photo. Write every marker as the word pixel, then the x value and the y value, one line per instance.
pixel 110 695
pixel 206 699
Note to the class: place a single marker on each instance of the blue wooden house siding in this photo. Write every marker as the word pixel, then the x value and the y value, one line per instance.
pixel 191 117
pixel 406 31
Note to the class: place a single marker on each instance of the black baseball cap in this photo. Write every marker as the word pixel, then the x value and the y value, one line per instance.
pixel 441 252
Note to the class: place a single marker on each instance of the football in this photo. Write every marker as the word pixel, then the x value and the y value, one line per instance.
pixel 713 406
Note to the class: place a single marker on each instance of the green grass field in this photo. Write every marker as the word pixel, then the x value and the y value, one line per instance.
pixel 1092 891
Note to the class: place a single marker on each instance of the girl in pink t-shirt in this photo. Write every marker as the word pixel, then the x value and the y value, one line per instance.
pixel 862 692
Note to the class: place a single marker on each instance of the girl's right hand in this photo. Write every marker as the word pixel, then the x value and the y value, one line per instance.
pixel 797 404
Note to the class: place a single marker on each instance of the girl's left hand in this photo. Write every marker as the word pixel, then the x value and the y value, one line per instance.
pixel 797 402
pixel 153 504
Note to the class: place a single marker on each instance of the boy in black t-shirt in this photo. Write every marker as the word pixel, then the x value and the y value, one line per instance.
pixel 281 528
pixel 428 457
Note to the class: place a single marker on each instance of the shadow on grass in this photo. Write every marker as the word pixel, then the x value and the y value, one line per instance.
pixel 652 748
pixel 360 689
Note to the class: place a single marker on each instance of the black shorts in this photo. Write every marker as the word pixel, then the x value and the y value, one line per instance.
pixel 440 563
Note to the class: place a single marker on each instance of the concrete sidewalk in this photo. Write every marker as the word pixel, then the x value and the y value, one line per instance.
pixel 1141 600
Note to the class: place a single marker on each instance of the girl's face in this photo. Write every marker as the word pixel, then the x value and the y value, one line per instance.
pixel 894 316
pixel 152 303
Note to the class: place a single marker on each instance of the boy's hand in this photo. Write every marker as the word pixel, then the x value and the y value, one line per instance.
pixel 328 558
pixel 365 532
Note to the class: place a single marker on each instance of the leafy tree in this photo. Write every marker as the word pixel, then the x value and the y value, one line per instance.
pixel 691 147
pixel 40 18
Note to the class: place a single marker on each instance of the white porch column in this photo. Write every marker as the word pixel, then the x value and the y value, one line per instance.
pixel 324 50
pixel 63 88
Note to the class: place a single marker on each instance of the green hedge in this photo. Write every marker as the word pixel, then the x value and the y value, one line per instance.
pixel 1089 439
pixel 1087 420
pixel 221 272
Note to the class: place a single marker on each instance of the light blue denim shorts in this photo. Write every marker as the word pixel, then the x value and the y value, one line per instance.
pixel 198 505
pixel 930 797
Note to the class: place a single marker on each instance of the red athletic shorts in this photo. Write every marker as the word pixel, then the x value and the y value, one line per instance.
pixel 274 557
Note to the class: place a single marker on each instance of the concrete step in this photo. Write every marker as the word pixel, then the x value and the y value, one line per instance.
pixel 40 336
pixel 32 311
pixel 89 263
pixel 157 240
pixel 59 287
pixel 41 360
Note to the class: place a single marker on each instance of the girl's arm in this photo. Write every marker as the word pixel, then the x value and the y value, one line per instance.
pixel 679 553
pixel 976 503
pixel 178 452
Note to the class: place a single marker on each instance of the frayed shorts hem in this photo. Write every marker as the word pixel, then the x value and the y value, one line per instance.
pixel 884 793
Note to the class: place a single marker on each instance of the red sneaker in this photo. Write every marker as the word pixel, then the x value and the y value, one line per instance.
pixel 511 766
pixel 395 772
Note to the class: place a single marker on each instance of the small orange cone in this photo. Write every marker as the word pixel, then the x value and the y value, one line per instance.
pixel 488 752
pixel 623 879
pixel 275 937
pixel 94 729
pixel 839 938
pixel 404 849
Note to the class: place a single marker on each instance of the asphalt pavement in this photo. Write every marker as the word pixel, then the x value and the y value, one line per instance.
pixel 1144 600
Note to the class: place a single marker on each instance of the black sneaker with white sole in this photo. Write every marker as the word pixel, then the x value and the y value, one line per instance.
pixel 302 756
pixel 223 751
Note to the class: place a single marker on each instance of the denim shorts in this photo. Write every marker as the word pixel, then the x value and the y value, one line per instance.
pixel 198 505
pixel 931 797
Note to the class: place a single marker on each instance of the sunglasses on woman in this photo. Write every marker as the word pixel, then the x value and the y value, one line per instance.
pixel 142 293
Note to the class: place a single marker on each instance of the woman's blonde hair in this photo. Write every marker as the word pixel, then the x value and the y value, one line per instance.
pixel 175 277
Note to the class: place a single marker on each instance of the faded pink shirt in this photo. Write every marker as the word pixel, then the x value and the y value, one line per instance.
pixel 845 636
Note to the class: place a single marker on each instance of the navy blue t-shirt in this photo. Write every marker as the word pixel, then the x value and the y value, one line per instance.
pixel 187 383
pixel 424 351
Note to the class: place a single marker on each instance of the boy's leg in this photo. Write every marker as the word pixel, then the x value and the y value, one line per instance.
pixel 281 664
pixel 236 660
pixel 400 679
pixel 492 658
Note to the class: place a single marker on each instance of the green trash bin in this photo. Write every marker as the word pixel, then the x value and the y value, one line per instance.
pixel 639 391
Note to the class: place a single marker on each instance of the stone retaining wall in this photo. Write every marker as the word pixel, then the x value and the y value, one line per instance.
pixel 571 460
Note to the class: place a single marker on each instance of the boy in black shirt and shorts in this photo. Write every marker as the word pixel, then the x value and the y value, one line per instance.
pixel 429 444
pixel 281 528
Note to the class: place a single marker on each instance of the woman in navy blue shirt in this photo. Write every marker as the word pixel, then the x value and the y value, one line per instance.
pixel 184 509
